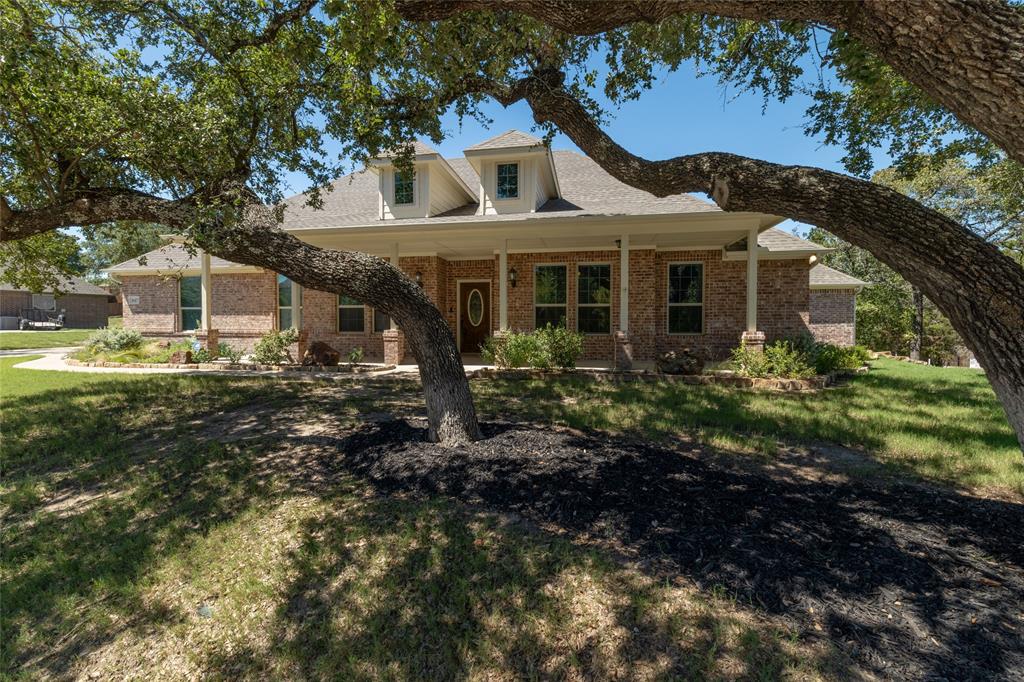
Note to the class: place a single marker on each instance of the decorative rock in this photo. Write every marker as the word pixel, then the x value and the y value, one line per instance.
pixel 180 357
pixel 684 361
pixel 321 354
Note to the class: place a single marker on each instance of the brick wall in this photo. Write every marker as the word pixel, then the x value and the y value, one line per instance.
pixel 82 311
pixel 156 312
pixel 833 315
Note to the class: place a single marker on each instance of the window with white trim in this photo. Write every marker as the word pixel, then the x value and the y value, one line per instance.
pixel 594 298
pixel 190 302
pixel 549 295
pixel 508 180
pixel 686 298
pixel 350 314
pixel 286 307
pixel 405 187
pixel 381 321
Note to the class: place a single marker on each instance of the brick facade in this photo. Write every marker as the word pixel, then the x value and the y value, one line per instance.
pixel 81 311
pixel 833 315
pixel 245 305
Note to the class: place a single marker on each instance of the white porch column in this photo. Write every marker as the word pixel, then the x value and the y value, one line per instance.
pixel 752 280
pixel 503 286
pixel 624 283
pixel 206 292
pixel 394 261
pixel 296 305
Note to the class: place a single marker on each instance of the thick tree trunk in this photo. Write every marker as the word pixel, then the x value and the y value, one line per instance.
pixel 979 289
pixel 917 328
pixel 253 237
pixel 968 55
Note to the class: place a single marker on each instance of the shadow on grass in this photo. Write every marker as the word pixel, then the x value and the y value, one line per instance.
pixel 423 588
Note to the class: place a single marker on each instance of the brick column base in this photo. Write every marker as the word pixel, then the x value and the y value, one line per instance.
pixel 394 347
pixel 753 340
pixel 212 341
pixel 623 351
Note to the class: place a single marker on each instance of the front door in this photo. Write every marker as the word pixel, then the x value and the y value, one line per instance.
pixel 474 315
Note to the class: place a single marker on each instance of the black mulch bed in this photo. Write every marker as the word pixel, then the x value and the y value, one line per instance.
pixel 912 581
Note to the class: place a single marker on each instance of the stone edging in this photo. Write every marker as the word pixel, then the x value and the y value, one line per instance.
pixel 614 376
pixel 238 367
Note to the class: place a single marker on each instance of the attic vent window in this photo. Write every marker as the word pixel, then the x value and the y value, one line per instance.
pixel 508 180
pixel 404 183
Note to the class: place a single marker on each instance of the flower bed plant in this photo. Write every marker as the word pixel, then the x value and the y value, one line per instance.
pixel 543 348
pixel 796 359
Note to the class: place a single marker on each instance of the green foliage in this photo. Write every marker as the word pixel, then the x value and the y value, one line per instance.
pixel 113 243
pixel 201 354
pixel 552 346
pixel 226 350
pixel 829 358
pixel 272 348
pixel 781 359
pixel 355 356
pixel 117 339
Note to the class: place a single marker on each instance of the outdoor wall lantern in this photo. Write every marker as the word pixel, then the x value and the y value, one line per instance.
pixel 512 276
pixel 419 278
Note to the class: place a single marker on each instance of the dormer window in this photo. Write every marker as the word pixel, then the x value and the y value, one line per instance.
pixel 508 181
pixel 404 183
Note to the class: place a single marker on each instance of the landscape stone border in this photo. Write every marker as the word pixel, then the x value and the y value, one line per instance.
pixel 718 378
pixel 234 367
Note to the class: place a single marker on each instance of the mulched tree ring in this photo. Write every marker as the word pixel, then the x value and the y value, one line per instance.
pixel 912 581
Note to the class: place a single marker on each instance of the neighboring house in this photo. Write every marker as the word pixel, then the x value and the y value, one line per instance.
pixel 84 305
pixel 513 236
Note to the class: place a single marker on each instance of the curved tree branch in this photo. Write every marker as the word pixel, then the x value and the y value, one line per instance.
pixel 978 288
pixel 968 55
pixel 230 222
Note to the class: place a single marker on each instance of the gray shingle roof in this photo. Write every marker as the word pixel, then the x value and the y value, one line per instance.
pixel 587 189
pixel 74 285
pixel 170 258
pixel 824 277
pixel 419 148
pixel 508 139
pixel 775 239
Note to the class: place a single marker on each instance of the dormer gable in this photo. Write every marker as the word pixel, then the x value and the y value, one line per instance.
pixel 516 171
pixel 432 187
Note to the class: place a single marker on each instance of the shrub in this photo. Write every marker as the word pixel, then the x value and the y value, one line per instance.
pixel 780 359
pixel 516 349
pixel 226 350
pixel 544 348
pixel 562 346
pixel 201 354
pixel 355 356
pixel 830 358
pixel 107 340
pixel 272 348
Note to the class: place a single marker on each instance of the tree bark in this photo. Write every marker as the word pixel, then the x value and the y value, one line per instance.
pixel 918 326
pixel 248 233
pixel 978 288
pixel 966 54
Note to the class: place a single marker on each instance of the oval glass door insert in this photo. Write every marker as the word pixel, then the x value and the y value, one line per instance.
pixel 475 306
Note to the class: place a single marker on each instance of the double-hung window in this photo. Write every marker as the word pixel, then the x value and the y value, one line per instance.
pixel 549 295
pixel 405 184
pixel 350 314
pixel 686 298
pixel 289 309
pixel 508 180
pixel 190 302
pixel 594 299
pixel 381 321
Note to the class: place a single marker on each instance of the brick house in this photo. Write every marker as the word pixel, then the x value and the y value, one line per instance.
pixel 512 236
pixel 85 305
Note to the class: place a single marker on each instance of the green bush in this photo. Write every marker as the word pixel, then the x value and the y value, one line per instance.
pixel 272 348
pixel 781 359
pixel 119 339
pixel 226 350
pixel 562 346
pixel 544 348
pixel 355 356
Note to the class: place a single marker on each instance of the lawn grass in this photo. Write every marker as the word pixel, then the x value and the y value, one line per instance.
pixel 43 339
pixel 941 424
pixel 138 545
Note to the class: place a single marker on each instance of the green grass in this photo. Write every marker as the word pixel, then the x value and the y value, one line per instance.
pixel 942 424
pixel 182 527
pixel 43 339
